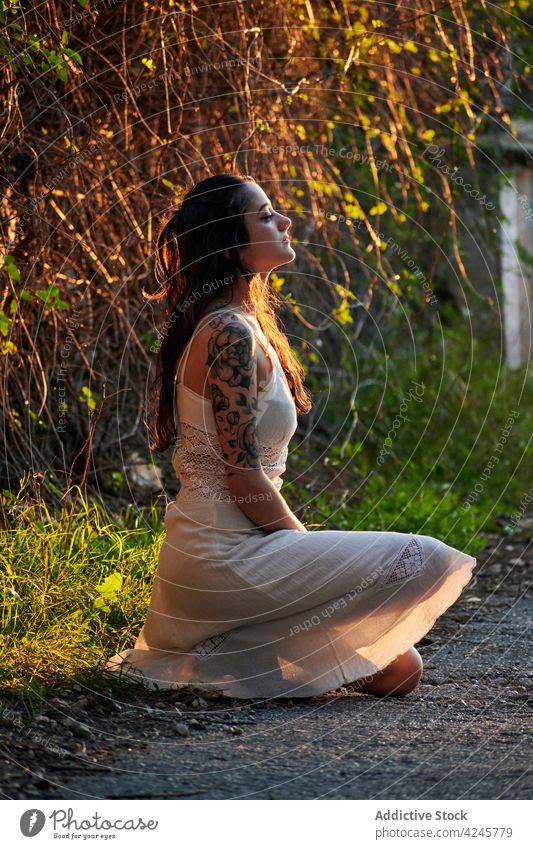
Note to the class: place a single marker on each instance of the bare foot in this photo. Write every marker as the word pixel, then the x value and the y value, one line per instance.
pixel 397 679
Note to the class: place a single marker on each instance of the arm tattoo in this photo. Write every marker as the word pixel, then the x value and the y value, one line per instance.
pixel 233 374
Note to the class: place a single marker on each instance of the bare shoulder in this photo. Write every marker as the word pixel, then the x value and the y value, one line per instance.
pixel 215 342
pixel 230 346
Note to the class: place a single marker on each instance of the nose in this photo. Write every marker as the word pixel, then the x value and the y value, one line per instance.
pixel 285 222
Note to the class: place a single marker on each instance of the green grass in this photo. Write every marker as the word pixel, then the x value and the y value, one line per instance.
pixel 76 584
pixel 447 468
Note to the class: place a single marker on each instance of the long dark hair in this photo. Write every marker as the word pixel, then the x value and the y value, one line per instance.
pixel 192 269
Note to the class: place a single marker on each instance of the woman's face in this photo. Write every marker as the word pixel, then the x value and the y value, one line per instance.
pixel 267 231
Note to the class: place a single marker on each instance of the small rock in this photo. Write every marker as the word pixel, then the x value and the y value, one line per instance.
pixel 76 747
pixel 517 561
pixel 78 728
pixel 182 729
pixel 145 476
pixel 234 729
pixel 57 702
pixel 43 719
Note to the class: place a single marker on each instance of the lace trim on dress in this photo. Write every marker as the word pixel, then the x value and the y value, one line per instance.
pixel 408 563
pixel 199 464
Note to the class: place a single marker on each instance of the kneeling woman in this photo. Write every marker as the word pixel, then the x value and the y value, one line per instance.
pixel 245 599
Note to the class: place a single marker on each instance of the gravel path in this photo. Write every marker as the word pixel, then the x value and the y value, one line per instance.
pixel 462 734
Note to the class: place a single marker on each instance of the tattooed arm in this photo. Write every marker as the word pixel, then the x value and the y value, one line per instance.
pixel 232 376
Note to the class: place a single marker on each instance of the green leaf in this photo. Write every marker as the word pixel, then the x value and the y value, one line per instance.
pixel 7 348
pixel 342 314
pixel 110 586
pixel 73 55
pixel 89 397
pixel 107 591
pixel 379 208
pixel 52 299
pixel 5 323
pixel 10 267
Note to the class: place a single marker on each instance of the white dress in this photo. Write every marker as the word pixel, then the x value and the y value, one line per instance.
pixel 252 614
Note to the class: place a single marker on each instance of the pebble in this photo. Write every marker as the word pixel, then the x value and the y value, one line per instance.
pixel 517 561
pixel 76 748
pixel 78 727
pixel 42 719
pixel 57 702
pixel 234 729
pixel 182 729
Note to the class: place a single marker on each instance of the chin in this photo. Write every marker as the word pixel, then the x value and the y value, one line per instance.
pixel 289 253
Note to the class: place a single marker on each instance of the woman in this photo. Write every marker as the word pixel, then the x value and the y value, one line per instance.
pixel 245 599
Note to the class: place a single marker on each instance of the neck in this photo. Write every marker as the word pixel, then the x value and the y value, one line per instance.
pixel 240 296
